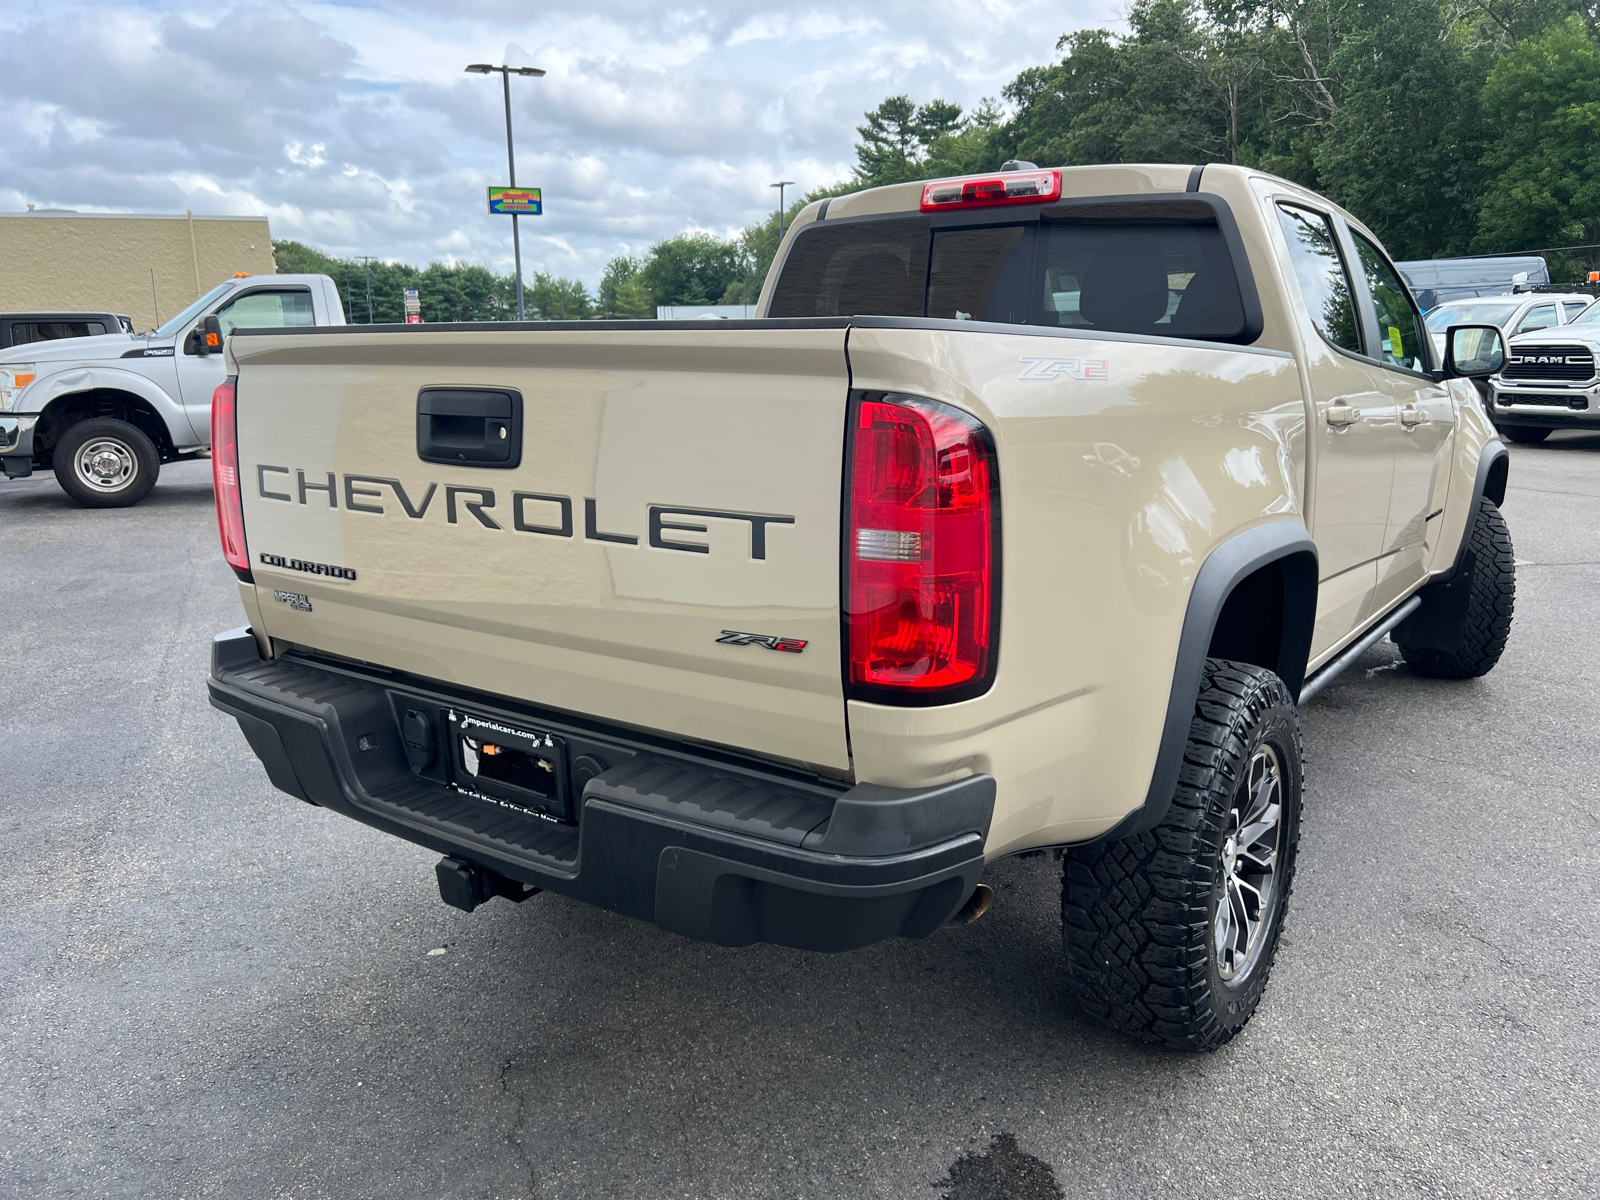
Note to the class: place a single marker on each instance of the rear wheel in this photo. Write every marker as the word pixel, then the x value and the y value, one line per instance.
pixel 1170 935
pixel 106 463
pixel 1525 435
pixel 1491 601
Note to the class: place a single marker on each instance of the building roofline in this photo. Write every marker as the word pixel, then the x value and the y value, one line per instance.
pixel 131 216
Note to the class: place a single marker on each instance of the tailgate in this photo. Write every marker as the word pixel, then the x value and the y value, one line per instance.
pixel 675 487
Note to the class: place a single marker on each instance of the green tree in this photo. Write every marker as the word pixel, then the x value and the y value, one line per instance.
pixel 555 298
pixel 937 119
pixel 902 141
pixel 1544 97
pixel 889 142
pixel 632 301
pixel 460 292
pixel 1380 105
pixel 692 268
pixel 1404 148
pixel 618 271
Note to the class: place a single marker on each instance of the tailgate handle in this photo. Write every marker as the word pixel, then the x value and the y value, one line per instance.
pixel 470 427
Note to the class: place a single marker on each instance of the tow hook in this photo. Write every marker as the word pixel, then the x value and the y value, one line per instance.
pixel 981 900
pixel 465 886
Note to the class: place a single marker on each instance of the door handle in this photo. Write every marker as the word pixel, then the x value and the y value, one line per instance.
pixel 1410 416
pixel 470 427
pixel 1341 414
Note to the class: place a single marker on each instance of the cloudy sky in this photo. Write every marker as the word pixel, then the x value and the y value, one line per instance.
pixel 353 128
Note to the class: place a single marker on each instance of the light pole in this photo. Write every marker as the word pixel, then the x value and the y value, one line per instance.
pixel 366 266
pixel 511 159
pixel 780 185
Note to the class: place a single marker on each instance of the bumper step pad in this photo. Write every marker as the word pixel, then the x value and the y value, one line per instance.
pixel 726 852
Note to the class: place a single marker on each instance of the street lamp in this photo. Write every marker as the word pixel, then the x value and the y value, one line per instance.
pixel 780 185
pixel 511 159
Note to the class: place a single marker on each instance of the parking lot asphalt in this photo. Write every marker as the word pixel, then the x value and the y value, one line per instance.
pixel 213 990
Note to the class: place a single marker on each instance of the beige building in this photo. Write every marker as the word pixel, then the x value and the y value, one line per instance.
pixel 148 267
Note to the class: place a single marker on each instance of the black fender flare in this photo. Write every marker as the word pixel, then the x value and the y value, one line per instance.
pixel 1236 559
pixel 1438 623
pixel 1494 470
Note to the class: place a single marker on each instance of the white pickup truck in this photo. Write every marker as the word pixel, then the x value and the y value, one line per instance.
pixel 105 412
pixel 1550 381
pixel 1025 520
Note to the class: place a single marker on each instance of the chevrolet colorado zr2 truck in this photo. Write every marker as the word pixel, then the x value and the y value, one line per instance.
pixel 106 410
pixel 1024 518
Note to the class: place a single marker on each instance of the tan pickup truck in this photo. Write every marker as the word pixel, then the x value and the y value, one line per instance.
pixel 1024 520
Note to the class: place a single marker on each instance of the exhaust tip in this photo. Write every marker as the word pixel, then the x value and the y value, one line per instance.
pixel 981 900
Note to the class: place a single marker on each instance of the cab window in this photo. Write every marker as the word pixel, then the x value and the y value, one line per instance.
pixel 1400 328
pixel 876 268
pixel 1324 279
pixel 1159 268
pixel 981 274
pixel 266 310
pixel 1573 310
pixel 1540 316
pixel 24 332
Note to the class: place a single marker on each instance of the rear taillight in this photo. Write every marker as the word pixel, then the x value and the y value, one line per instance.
pixel 987 191
pixel 920 604
pixel 225 479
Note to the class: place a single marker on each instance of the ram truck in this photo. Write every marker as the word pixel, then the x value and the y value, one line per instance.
pixel 1023 519
pixel 105 411
pixel 1549 380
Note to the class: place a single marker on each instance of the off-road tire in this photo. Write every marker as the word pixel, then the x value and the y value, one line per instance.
pixel 106 463
pixel 1139 914
pixel 1525 435
pixel 1491 600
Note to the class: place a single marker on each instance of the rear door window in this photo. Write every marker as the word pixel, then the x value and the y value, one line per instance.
pixel 23 332
pixel 1573 310
pixel 869 268
pixel 1400 327
pixel 1540 316
pixel 1323 276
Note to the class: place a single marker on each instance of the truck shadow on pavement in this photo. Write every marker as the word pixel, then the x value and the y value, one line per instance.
pixel 40 493
pixel 1564 439
pixel 603 1048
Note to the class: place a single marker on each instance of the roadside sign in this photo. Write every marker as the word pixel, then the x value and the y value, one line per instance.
pixel 413 318
pixel 522 202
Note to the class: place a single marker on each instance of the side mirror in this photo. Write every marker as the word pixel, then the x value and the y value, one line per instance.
pixel 1473 351
pixel 211 336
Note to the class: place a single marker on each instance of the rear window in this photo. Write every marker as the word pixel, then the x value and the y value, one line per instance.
pixel 1173 277
pixel 873 268
pixel 1156 267
pixel 23 332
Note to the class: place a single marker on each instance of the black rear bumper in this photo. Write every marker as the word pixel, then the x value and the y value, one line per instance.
pixel 721 849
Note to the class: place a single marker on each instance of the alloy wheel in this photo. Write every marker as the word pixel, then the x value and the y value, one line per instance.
pixel 1250 852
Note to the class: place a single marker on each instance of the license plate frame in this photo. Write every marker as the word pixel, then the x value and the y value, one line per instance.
pixel 515 767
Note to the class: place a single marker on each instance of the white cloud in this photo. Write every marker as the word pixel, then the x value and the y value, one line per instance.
pixel 352 126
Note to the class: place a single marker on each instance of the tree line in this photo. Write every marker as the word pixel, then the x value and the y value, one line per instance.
pixel 692 268
pixel 1449 126
pixel 460 292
